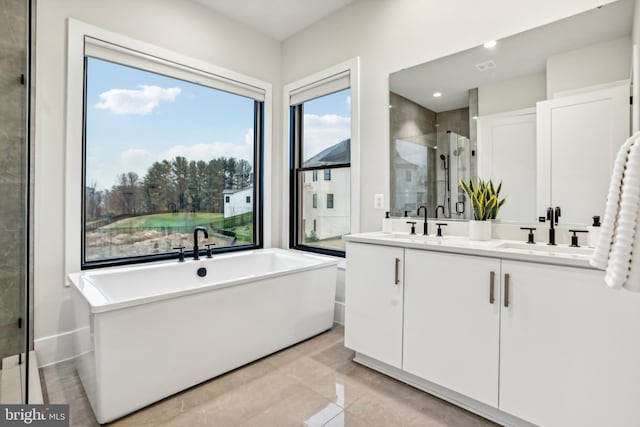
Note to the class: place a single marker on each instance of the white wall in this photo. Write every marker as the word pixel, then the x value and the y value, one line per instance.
pixel 389 35
pixel 593 65
pixel 178 25
pixel 513 94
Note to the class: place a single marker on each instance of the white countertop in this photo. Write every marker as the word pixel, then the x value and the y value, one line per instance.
pixel 495 248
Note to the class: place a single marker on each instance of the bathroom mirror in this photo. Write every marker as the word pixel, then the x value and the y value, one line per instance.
pixel 543 111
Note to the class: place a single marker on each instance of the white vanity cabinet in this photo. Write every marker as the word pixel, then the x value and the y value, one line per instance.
pixel 452 322
pixel 569 347
pixel 551 346
pixel 374 297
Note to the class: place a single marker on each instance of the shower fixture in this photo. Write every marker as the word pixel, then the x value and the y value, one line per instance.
pixel 446 199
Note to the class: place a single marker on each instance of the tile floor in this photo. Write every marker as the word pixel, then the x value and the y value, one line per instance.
pixel 314 383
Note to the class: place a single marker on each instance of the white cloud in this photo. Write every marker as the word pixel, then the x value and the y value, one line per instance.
pixel 135 160
pixel 348 99
pixel 139 160
pixel 105 173
pixel 321 132
pixel 210 151
pixel 136 101
pixel 248 137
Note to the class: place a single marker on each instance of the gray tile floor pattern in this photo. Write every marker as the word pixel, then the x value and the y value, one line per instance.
pixel 314 383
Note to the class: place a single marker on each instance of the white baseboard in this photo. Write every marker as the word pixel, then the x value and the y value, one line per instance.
pixel 338 313
pixel 54 348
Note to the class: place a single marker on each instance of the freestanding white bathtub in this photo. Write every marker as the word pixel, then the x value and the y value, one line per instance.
pixel 146 332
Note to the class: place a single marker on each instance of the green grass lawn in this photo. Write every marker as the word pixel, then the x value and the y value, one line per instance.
pixel 244 233
pixel 180 219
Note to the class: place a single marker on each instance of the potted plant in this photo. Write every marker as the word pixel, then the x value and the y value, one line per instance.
pixel 485 204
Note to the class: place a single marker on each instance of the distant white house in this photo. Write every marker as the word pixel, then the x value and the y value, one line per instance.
pixel 408 180
pixel 237 202
pixel 326 194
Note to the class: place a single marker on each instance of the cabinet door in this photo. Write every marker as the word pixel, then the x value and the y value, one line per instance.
pixel 373 301
pixel 569 348
pixel 451 325
pixel 578 139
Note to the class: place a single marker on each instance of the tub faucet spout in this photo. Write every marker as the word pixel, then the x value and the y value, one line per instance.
pixel 196 255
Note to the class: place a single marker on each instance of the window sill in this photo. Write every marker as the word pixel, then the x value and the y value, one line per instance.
pixel 120 262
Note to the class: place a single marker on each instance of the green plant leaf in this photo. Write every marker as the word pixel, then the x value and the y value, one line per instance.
pixel 483 197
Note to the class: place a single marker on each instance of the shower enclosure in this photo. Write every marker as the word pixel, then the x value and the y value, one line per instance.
pixel 15 41
pixel 426 170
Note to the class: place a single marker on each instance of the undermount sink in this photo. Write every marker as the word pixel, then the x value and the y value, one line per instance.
pixel 420 237
pixel 560 251
pixel 542 249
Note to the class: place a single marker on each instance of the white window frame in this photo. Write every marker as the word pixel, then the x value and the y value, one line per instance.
pixel 76 33
pixel 352 66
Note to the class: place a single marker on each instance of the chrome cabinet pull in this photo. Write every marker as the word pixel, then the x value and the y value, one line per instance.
pixel 506 289
pixel 397 271
pixel 492 278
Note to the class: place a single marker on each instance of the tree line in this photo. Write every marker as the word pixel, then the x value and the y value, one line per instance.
pixel 170 186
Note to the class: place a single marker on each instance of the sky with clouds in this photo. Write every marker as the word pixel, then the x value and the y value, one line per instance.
pixel 327 121
pixel 135 118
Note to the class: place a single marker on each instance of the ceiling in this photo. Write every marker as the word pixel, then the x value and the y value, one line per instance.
pixel 277 19
pixel 518 55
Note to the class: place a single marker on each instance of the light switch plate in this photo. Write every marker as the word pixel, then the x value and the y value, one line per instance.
pixel 378 201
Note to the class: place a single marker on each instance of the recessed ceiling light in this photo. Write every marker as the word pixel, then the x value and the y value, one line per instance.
pixel 490 44
pixel 475 117
pixel 437 95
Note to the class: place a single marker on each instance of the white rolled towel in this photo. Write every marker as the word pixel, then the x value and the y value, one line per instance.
pixel 630 240
pixel 633 281
pixel 602 251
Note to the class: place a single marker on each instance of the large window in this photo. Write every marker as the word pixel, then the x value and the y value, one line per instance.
pixel 163 155
pixel 321 142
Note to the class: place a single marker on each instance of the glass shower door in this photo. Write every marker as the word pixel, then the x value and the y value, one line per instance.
pixel 463 169
pixel 14 28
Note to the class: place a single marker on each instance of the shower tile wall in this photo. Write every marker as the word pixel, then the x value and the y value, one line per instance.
pixel 409 119
pixel 12 173
pixel 456 121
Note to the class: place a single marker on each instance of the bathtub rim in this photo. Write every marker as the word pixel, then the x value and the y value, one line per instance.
pixel 98 303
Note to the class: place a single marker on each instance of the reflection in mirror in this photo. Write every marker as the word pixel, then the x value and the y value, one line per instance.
pixel 544 111
pixel 430 152
pixel 426 170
